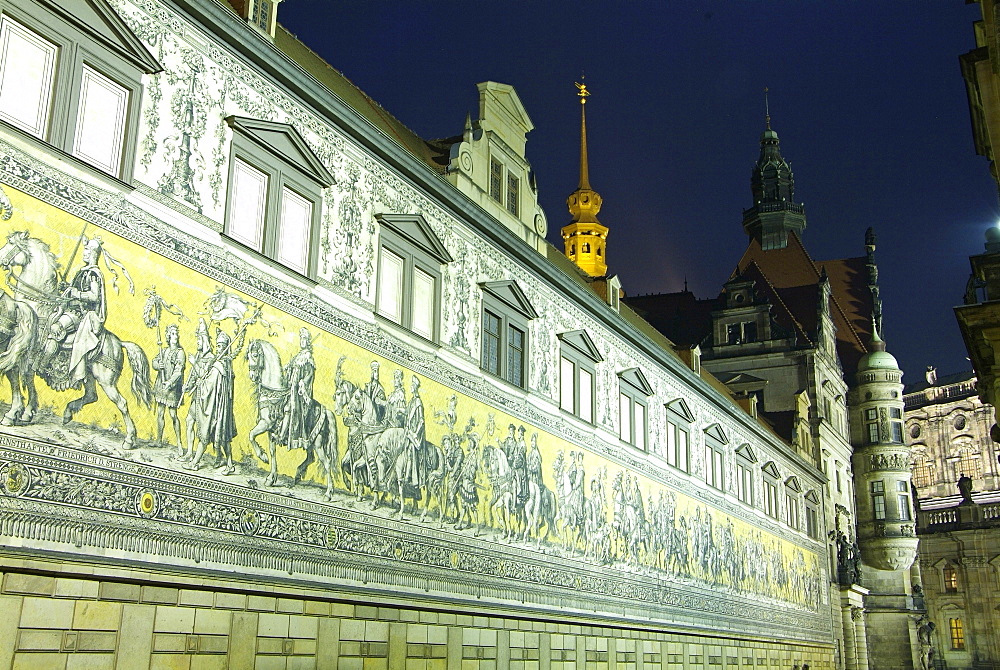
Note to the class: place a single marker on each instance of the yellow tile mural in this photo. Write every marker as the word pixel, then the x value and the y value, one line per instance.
pixel 144 358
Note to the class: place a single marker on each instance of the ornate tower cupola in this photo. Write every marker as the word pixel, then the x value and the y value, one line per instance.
pixel 774 212
pixel 881 462
pixel 585 238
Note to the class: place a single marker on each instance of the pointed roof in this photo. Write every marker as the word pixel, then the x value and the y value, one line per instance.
pixel 792 277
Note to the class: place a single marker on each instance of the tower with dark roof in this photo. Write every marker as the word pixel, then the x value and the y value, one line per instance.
pixel 774 212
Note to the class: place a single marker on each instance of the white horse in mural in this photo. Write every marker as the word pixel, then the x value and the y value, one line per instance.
pixel 33 278
pixel 266 373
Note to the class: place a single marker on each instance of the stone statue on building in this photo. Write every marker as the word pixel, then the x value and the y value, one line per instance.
pixel 925 634
pixel 965 488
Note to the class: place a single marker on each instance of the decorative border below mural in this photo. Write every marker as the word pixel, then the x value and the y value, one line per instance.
pixel 66 500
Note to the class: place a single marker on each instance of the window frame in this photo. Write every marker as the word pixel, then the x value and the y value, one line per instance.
pixel 678 422
pixel 411 239
pixel 770 480
pixel 578 350
pixel 277 151
pixel 635 391
pixel 507 302
pixel 949 579
pixel 121 59
pixel 715 462
pixel 793 514
pixel 877 490
pixel 812 502
pixel 956 631
pixel 904 512
pixel 745 460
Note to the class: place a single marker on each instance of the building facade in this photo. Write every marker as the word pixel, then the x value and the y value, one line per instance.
pixel 798 341
pixel 291 387
pixel 948 429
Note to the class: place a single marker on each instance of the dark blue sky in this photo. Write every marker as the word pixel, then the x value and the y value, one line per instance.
pixel 867 99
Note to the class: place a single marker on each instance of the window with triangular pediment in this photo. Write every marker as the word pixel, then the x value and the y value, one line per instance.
pixel 408 289
pixel 275 193
pixel 505 335
pixel 578 358
pixel 71 76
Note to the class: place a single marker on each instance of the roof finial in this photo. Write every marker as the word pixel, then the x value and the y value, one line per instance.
pixel 767 110
pixel 583 93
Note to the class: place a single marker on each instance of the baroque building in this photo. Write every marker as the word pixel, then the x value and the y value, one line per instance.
pixel 954 465
pixel 960 535
pixel 289 386
pixel 797 341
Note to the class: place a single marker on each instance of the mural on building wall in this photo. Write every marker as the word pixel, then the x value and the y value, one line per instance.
pixel 190 375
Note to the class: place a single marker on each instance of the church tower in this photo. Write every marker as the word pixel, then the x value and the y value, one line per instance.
pixel 774 212
pixel 585 238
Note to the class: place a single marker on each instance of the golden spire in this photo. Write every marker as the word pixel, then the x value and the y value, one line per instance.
pixel 585 237
pixel 584 164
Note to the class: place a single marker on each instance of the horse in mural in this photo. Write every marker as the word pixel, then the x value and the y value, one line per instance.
pixel 359 416
pixel 267 375
pixel 33 278
pixel 539 510
pixel 503 503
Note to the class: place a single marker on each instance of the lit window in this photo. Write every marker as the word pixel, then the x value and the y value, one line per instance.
pixel 950 579
pixel 923 471
pixel 74 85
pixel 409 273
pixel 957 634
pixel 577 359
pixel 969 463
pixel 878 499
pixel 275 191
pixel 506 312
pixel 633 392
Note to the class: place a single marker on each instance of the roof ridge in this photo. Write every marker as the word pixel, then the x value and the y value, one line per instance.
pixel 784 305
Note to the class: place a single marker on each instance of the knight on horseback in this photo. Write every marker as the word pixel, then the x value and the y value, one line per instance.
pixel 82 315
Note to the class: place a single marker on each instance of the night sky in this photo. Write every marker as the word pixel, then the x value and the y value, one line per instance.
pixel 867 99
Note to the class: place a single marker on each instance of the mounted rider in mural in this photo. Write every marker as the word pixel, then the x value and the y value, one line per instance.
pixel 79 324
pixel 69 346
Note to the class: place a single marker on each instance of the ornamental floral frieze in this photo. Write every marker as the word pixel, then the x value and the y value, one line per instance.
pixel 94 509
